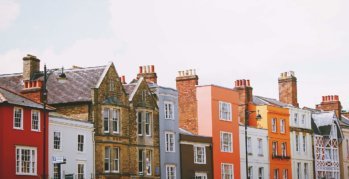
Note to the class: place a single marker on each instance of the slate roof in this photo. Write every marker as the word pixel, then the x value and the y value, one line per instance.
pixel 76 87
pixel 259 100
pixel 10 97
pixel 129 88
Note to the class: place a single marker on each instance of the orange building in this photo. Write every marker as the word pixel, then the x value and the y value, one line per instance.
pixel 275 118
pixel 216 116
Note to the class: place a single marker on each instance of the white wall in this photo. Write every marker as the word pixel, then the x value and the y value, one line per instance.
pixel 254 160
pixel 70 129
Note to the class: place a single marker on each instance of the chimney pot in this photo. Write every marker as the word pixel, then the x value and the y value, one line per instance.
pixel 336 98
pixel 153 69
pixel 140 69
pixel 244 82
pixel 248 82
pixel 323 98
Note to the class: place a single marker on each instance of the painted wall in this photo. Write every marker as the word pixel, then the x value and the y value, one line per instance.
pixel 10 138
pixel 168 125
pixel 70 129
pixel 225 95
pixel 254 159
pixel 345 154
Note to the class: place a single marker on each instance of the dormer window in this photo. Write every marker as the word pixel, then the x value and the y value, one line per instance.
pixel 111 85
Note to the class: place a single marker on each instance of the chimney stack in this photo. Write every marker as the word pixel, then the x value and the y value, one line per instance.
pixel 148 73
pixel 243 87
pixel 331 103
pixel 186 83
pixel 288 88
pixel 123 79
pixel 31 65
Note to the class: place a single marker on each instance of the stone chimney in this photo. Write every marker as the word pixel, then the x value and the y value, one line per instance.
pixel 243 87
pixel 186 83
pixel 288 88
pixel 148 73
pixel 31 65
pixel 331 103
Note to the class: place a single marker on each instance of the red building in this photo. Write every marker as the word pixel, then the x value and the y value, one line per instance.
pixel 21 137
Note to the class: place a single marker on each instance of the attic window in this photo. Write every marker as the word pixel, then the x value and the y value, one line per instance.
pixel 111 85
pixel 144 95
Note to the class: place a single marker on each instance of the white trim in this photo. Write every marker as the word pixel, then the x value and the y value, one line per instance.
pixel 174 171
pixel 232 169
pixel 196 154
pixel 84 165
pixel 39 115
pixel 106 69
pixel 172 112
pixel 229 108
pixel 22 120
pixel 118 159
pixel 31 149
pixel 136 88
pixel 231 140
pixel 83 144
pixel 60 141
pixel 168 143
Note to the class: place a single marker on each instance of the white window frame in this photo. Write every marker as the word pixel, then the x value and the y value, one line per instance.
pixel 276 148
pixel 169 169
pixel 38 120
pixel 304 143
pixel 140 161
pixel 33 161
pixel 107 159
pixel 250 172
pixel 298 170
pixel 249 145
pixel 200 175
pixel 306 171
pixel 284 149
pixel 261 173
pixel 148 121
pixel 276 173
pixel 225 115
pixel 196 154
pixel 84 169
pixel 282 126
pixel 303 119
pixel 295 119
pixel 21 119
pixel 149 162
pixel 81 143
pixel 60 140
pixel 285 173
pixel 169 110
pixel 274 124
pixel 169 140
pixel 116 158
pixel 260 146
pixel 106 120
pixel 225 173
pixel 223 144
pixel 116 118
pixel 297 143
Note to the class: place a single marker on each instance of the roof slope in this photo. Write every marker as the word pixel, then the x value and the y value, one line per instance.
pixel 259 100
pixel 323 121
pixel 7 96
pixel 76 88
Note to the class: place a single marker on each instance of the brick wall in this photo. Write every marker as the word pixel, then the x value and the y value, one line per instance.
pixel 288 88
pixel 331 103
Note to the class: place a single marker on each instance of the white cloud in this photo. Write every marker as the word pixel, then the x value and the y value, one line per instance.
pixel 9 11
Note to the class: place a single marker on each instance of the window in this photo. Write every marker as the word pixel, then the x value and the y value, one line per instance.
pixel 303 119
pixel 284 149
pixel 199 154
pixel 295 118
pixel 81 171
pixel 35 120
pixel 170 172
pixel 275 148
pixel 148 124
pixel 116 160
pixel 282 126
pixel 144 95
pixel 335 155
pixel 306 172
pixel 276 173
pixel 347 148
pixel 225 111
pixel 56 171
pixel 273 125
pixel 226 142
pixel 261 173
pixel 328 154
pixel 297 142
pixel 285 174
pixel 304 144
pixel 227 171
pixel 106 120
pixel 140 123
pixel 26 160
pixel 140 161
pixel 57 140
pixel 169 111
pixel 18 118
pixel 250 173
pixel 260 147
pixel 116 121
pixel 111 85
pixel 80 143
pixel 249 145
pixel 107 159
pixel 148 161
pixel 170 141
pixel 200 175
pixel 298 170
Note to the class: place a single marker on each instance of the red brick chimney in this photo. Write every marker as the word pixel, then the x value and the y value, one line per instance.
pixel 288 88
pixel 32 85
pixel 243 87
pixel 148 73
pixel 331 103
pixel 186 82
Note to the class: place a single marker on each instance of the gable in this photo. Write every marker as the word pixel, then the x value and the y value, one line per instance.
pixel 142 96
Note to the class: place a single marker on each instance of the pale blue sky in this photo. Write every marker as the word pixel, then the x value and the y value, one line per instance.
pixel 223 40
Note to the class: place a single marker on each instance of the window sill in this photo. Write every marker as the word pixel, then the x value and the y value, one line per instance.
pixel 200 163
pixel 260 155
pixel 36 131
pixel 26 174
pixel 21 129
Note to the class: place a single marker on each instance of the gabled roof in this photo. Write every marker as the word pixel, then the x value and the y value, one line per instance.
pixel 76 88
pixel 10 97
pixel 259 100
pixel 322 123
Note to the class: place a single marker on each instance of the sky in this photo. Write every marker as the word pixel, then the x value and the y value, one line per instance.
pixel 224 40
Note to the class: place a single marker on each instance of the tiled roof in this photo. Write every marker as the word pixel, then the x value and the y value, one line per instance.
pixel 76 87
pixel 129 88
pixel 7 96
pixel 259 100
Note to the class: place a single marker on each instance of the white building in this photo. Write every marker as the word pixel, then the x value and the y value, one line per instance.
pixel 327 137
pixel 344 123
pixel 301 143
pixel 73 141
pixel 258 153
